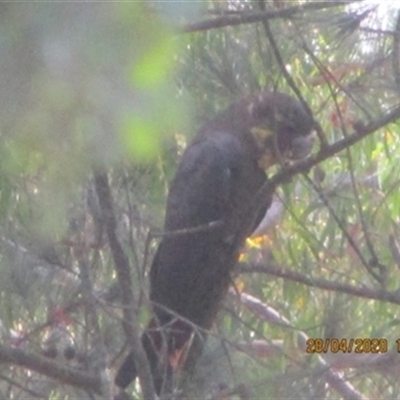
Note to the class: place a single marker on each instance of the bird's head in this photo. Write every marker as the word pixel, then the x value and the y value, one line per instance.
pixel 282 129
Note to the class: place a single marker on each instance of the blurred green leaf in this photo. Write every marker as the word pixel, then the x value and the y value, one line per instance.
pixel 153 67
pixel 141 136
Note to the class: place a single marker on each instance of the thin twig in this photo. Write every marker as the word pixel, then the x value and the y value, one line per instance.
pixel 330 77
pixel 290 81
pixel 374 260
pixel 346 234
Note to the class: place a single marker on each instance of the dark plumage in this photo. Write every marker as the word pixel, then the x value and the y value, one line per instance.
pixel 208 220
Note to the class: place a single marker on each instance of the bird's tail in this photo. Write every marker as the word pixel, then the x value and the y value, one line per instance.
pixel 127 372
pixel 174 340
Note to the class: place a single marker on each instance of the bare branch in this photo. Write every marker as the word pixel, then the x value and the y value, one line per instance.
pixel 122 268
pixel 286 273
pixel 42 365
pixel 251 17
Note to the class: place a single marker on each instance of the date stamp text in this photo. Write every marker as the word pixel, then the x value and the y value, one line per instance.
pixel 352 345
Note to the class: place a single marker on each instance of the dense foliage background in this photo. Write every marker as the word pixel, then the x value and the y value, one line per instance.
pixel 121 88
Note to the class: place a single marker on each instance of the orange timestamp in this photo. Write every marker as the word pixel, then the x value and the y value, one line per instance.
pixel 352 345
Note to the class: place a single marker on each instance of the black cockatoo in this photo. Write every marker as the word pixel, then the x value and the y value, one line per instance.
pixel 209 215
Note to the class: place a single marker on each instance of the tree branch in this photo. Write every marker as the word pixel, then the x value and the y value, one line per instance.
pixel 122 268
pixel 286 273
pixel 251 17
pixel 42 365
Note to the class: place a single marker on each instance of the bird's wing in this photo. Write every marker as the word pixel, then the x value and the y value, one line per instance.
pixel 205 182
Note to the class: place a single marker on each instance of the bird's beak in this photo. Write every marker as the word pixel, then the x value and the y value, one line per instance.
pixel 301 147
